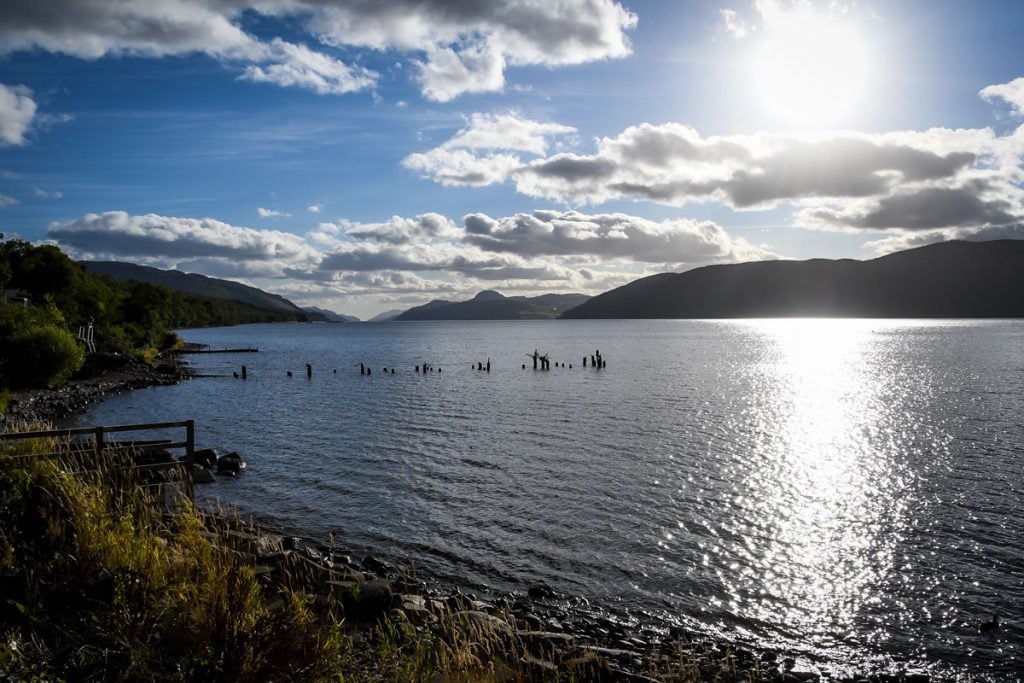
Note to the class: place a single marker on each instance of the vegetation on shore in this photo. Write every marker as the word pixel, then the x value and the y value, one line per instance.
pixel 38 347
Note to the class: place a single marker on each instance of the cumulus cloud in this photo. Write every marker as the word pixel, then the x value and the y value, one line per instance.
pixel 271 213
pixel 17 109
pixel 314 208
pixel 1011 93
pixel 609 235
pixel 459 160
pixel 117 234
pixel 673 164
pixel 975 204
pixel 399 230
pixel 457 47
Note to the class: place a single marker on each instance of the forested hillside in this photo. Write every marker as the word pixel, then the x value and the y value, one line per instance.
pixel 54 296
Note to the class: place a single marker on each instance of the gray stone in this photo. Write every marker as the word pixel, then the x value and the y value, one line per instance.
pixel 230 464
pixel 201 475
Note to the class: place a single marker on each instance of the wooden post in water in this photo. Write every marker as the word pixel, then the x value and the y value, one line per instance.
pixel 245 372
pixel 488 365
pixel 309 371
pixel 362 369
pixel 584 361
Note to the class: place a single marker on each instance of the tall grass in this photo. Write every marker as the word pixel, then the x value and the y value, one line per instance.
pixel 96 583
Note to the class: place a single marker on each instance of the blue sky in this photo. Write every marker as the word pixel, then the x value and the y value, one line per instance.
pixel 366 155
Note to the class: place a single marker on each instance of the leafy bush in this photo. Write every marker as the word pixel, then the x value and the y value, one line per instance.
pixel 35 348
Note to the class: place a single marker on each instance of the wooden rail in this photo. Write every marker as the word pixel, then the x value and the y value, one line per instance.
pixel 101 443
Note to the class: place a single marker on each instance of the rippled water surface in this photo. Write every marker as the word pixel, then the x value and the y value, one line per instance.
pixel 839 487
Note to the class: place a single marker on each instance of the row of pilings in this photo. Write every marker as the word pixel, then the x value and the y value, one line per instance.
pixel 540 362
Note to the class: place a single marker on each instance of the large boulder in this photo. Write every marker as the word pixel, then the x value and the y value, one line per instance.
pixel 207 457
pixel 230 464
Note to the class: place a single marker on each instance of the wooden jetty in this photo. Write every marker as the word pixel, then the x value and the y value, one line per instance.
pixel 187 351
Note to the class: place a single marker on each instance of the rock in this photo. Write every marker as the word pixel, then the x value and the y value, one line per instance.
pixel 201 475
pixel 412 601
pixel 788 663
pixel 415 608
pixel 372 600
pixel 371 563
pixel 232 463
pixel 541 591
pixel 207 457
pixel 805 675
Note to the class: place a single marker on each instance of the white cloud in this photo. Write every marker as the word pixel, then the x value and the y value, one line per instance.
pixel 457 161
pixel 46 194
pixel 314 208
pixel 457 47
pixel 271 213
pixel 1011 93
pixel 17 109
pixel 609 235
pixel 734 24
pixel 173 240
pixel 446 74
pixel 508 131
pixel 298 66
pixel 399 230
pixel 453 167
pixel 6 200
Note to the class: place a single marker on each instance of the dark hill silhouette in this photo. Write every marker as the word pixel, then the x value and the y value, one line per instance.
pixel 945 280
pixel 490 305
pixel 330 316
pixel 193 283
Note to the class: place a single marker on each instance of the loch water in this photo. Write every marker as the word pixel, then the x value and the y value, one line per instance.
pixel 839 488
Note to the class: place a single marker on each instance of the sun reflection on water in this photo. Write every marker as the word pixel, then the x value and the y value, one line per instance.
pixel 823 493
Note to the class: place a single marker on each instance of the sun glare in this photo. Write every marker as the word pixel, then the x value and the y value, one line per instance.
pixel 810 69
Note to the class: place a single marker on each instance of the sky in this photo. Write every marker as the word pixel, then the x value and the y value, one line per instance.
pixel 366 155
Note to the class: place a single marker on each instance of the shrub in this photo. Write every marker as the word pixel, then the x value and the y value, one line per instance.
pixel 35 349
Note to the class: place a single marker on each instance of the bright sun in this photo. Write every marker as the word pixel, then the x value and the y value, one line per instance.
pixel 810 69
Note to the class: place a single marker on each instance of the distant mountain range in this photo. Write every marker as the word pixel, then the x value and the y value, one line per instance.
pixel 330 316
pixel 490 305
pixel 386 316
pixel 945 280
pixel 201 285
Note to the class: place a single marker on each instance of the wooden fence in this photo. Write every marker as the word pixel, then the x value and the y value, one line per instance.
pixel 144 457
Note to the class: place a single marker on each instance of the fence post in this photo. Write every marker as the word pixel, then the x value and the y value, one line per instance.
pixel 190 458
pixel 98 432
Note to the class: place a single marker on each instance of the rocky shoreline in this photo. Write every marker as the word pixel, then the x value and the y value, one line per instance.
pixel 549 635
pixel 103 375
